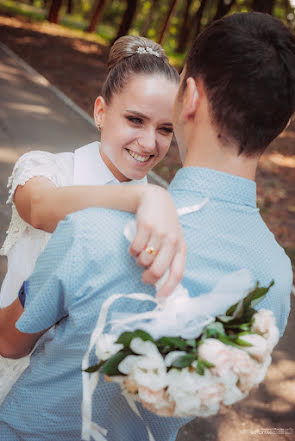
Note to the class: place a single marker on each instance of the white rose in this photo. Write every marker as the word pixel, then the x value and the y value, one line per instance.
pixel 183 388
pixel 259 349
pixel 147 369
pixel 156 401
pixel 265 325
pixel 106 347
pixel 172 356
pixel 263 321
pixel 218 354
pixel 246 369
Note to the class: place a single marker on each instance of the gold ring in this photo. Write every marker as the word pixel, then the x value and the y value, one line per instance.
pixel 151 250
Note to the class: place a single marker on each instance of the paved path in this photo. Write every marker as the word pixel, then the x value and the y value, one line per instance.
pixel 32 116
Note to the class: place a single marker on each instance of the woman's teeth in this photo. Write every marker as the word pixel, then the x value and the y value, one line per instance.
pixel 139 157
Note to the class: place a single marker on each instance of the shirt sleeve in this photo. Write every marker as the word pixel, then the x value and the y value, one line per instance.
pixel 32 164
pixel 48 288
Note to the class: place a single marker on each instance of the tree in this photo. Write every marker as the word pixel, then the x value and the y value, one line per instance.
pixel 183 33
pixel 96 16
pixel 223 7
pixel 169 14
pixel 196 19
pixel 263 6
pixel 127 19
pixel 54 11
pixel 149 19
pixel 69 7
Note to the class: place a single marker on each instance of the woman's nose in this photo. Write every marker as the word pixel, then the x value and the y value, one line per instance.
pixel 147 141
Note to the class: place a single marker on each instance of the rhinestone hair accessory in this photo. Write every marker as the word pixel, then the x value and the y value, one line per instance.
pixel 147 50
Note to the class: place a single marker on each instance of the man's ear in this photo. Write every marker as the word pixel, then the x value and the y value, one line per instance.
pixel 190 100
pixel 99 109
pixel 288 123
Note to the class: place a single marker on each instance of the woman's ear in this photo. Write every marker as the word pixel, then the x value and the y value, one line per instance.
pixel 190 100
pixel 99 109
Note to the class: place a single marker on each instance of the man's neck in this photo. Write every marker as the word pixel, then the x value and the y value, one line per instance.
pixel 205 150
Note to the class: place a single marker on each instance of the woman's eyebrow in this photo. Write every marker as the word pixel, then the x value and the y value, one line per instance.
pixel 141 115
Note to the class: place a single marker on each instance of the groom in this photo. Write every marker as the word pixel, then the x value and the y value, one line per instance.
pixel 237 94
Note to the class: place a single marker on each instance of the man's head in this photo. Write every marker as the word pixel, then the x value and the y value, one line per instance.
pixel 246 64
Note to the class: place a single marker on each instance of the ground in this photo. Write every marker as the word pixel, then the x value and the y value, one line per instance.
pixel 78 67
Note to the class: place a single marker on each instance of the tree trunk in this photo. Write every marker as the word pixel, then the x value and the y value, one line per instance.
pixel 196 20
pixel 69 7
pixel 263 6
pixel 127 19
pixel 166 22
pixel 96 16
pixel 223 8
pixel 149 19
pixel 54 11
pixel 184 34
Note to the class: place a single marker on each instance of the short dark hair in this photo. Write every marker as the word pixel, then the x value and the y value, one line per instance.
pixel 247 64
pixel 135 55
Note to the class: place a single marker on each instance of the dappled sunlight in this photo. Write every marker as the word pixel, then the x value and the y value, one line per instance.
pixel 281 160
pixel 86 48
pixel 32 108
pixel 8 155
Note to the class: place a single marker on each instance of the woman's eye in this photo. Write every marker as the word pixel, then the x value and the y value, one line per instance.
pixel 166 130
pixel 134 120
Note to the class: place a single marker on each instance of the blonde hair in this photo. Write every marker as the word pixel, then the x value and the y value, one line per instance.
pixel 134 55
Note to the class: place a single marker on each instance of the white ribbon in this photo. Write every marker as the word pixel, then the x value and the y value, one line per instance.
pixel 90 381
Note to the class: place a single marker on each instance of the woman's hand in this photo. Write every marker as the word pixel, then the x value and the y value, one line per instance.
pixel 159 243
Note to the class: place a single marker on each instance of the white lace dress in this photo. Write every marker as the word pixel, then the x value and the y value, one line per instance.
pixel 24 243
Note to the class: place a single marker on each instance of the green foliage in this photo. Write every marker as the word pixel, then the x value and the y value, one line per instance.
pixel 126 338
pixel 146 10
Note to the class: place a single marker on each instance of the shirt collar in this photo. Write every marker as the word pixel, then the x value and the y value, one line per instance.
pixel 215 184
pixel 90 169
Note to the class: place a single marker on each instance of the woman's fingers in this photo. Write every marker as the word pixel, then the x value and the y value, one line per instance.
pixel 149 252
pixel 164 260
pixel 142 236
pixel 176 272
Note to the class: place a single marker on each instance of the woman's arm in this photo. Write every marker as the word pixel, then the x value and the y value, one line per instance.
pixel 43 205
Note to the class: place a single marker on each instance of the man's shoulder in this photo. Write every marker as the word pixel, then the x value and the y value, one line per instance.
pixel 101 222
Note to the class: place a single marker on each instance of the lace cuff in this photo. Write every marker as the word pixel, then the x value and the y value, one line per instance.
pixel 32 164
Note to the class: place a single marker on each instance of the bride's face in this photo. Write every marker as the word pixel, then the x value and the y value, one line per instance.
pixel 136 125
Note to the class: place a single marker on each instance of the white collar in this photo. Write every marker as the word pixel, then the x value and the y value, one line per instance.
pixel 90 169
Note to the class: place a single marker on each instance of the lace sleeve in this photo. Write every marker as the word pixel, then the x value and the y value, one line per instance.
pixel 31 164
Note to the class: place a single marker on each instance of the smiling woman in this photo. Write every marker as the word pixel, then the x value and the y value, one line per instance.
pixel 134 115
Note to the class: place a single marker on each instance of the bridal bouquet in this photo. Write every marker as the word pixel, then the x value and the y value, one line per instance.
pixel 189 356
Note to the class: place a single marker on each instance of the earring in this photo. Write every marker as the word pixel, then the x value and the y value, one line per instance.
pixel 98 125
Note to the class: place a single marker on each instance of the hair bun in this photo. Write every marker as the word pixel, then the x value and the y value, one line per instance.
pixel 129 45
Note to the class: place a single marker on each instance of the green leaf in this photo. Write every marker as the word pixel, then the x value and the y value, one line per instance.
pixel 243 326
pixel 207 363
pixel 184 361
pixel 191 342
pixel 172 343
pixel 200 368
pixel 202 364
pixel 242 342
pixel 214 329
pixel 110 367
pixel 243 311
pixel 94 368
pixel 228 341
pixel 126 338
